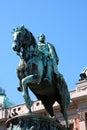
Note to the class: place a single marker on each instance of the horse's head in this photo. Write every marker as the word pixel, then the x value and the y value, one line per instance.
pixel 22 38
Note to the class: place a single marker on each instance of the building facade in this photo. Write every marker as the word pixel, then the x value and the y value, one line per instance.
pixel 77 111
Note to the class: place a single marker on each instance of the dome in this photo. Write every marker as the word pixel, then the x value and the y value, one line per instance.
pixel 5 102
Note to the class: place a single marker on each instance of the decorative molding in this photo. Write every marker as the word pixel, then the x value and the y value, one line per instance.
pixel 81 116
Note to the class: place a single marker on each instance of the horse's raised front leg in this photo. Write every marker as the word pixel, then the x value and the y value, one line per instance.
pixel 25 83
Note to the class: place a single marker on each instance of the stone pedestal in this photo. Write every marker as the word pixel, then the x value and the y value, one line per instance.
pixel 33 122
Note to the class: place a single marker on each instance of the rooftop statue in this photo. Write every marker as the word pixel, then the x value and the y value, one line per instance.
pixel 38 70
pixel 83 74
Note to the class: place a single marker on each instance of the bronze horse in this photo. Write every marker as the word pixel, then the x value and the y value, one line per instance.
pixel 30 72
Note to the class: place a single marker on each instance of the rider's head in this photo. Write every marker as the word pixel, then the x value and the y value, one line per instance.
pixel 41 38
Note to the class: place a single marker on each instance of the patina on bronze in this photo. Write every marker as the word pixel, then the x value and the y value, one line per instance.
pixel 37 70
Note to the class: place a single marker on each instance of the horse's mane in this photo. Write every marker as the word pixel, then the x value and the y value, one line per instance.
pixel 33 40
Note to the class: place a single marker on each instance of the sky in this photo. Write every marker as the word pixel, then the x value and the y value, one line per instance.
pixel 64 23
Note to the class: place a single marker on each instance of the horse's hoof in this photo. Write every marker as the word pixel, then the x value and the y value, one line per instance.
pixel 19 89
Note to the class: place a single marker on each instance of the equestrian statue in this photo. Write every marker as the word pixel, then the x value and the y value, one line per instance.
pixel 38 71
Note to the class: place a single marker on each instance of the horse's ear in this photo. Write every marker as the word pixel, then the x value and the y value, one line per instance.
pixel 13 30
pixel 22 26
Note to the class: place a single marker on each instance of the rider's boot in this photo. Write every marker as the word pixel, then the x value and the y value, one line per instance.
pixel 48 79
pixel 48 76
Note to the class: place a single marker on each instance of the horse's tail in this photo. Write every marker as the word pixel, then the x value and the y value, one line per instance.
pixel 63 91
pixel 63 97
